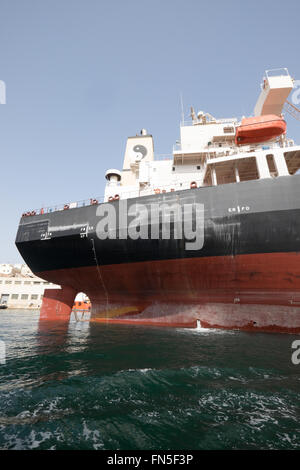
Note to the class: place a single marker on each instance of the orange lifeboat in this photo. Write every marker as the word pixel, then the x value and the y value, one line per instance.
pixel 82 305
pixel 259 129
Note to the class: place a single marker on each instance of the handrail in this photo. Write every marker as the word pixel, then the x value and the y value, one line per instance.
pixel 100 200
pixel 190 122
pixel 274 72
pixel 163 156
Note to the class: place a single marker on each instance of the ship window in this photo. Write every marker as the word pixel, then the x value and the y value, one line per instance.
pixel 233 171
pixel 8 282
pixel 247 169
pixel 18 283
pixel 228 130
pixel 292 161
pixel 14 296
pixel 173 169
pixel 198 167
pixel 36 282
pixel 225 173
pixel 34 297
pixel 24 296
pixel 27 282
pixel 272 166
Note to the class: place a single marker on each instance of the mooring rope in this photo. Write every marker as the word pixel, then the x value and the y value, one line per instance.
pixel 100 274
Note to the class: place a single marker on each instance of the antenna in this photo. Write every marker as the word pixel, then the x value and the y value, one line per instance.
pixel 193 114
pixel 182 111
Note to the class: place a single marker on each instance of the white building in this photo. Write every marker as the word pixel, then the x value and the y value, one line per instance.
pixel 6 268
pixel 20 288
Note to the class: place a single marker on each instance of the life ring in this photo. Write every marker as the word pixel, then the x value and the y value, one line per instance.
pixel 157 191
pixel 94 201
pixel 28 214
pixel 117 197
pixel 32 213
pixel 193 185
pixel 110 199
pixel 66 206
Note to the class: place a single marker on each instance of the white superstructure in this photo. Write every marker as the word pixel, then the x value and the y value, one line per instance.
pixel 207 153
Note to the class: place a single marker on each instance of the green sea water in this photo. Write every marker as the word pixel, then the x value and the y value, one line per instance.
pixel 130 387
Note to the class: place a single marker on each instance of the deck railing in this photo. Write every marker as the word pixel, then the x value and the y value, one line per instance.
pixel 162 189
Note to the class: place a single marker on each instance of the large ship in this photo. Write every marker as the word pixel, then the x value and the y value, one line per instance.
pixel 208 236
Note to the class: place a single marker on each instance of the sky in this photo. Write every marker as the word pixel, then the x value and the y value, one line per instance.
pixel 83 75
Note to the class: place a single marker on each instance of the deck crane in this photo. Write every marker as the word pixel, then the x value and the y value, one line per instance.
pixel 292 110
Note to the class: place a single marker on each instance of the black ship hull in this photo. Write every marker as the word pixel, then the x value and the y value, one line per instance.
pixel 244 272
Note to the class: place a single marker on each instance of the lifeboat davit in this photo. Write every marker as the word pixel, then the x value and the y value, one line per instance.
pixel 259 129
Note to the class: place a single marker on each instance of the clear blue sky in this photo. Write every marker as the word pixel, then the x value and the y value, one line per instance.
pixel 83 75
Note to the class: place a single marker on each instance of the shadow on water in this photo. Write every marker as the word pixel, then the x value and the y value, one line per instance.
pixel 101 386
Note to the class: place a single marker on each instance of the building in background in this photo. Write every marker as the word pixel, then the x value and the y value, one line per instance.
pixel 20 288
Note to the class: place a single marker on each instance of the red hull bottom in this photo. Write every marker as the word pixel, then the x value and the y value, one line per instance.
pixel 258 292
pixel 242 317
